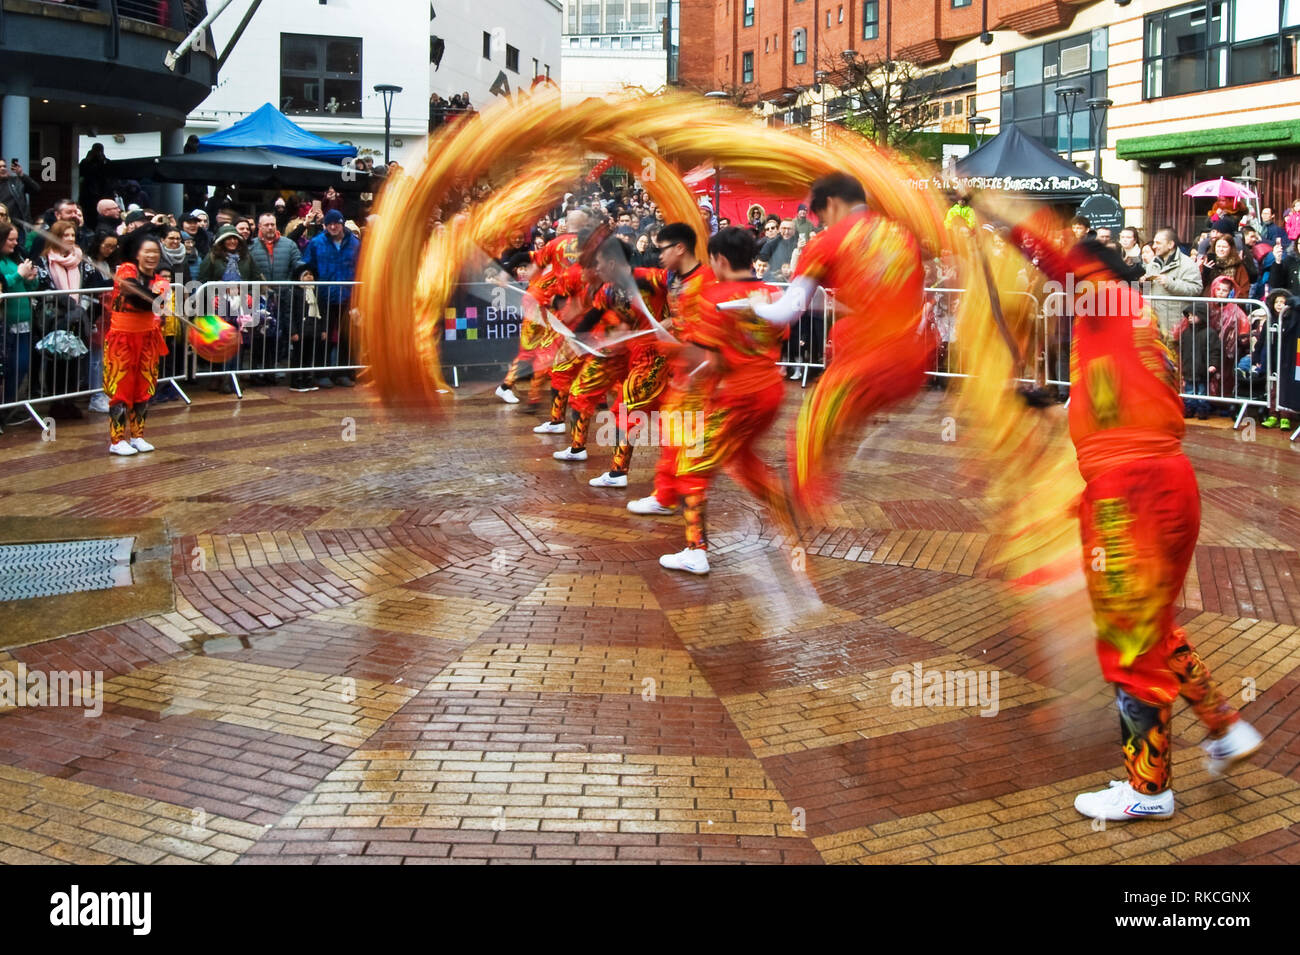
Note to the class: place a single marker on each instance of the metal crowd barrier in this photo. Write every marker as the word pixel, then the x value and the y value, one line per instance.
pixel 56 355
pixel 1212 370
pixel 939 325
pixel 268 315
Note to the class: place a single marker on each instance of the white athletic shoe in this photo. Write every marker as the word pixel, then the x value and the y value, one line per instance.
pixel 692 560
pixel 123 448
pixel 795 373
pixel 550 427
pixel 1122 803
pixel 568 454
pixel 609 480
pixel 649 505
pixel 1241 740
pixel 141 445
pixel 506 395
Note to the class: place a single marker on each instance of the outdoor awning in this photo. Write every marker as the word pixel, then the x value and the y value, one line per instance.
pixel 268 128
pixel 257 168
pixel 1014 162
pixel 1260 137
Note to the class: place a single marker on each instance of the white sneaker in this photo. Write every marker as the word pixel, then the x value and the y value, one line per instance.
pixel 123 448
pixel 795 373
pixel 1121 803
pixel 692 560
pixel 506 395
pixel 141 445
pixel 649 505
pixel 609 480
pixel 568 454
pixel 99 403
pixel 1241 740
pixel 550 427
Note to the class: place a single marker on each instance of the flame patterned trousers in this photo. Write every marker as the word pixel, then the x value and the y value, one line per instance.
pixel 130 376
pixel 1139 523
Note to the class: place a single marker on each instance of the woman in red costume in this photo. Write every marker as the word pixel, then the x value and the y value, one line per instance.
pixel 133 346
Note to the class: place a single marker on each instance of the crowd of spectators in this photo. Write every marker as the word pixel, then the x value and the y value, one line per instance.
pixel 51 344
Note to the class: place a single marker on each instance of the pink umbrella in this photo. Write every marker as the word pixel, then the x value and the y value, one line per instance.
pixel 1219 188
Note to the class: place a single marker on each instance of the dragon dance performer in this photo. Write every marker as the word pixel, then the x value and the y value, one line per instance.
pixel 746 396
pixel 613 313
pixel 875 268
pixel 652 363
pixel 1139 517
pixel 133 346
pixel 538 342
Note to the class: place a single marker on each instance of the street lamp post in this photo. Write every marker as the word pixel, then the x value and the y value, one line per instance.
pixel 1097 107
pixel 388 91
pixel 977 124
pixel 1070 94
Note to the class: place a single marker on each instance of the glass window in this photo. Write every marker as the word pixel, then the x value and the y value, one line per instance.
pixel 747 68
pixel 799 44
pixel 960 3
pixel 320 74
pixel 487 45
pixel 512 59
pixel 1253 19
pixel 1100 48
pixel 1029 66
pixel 749 13
pixel 871 19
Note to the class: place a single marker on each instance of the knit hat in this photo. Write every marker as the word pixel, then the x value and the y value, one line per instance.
pixel 135 215
pixel 333 216
pixel 224 233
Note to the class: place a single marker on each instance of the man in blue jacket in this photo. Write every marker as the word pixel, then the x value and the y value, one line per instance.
pixel 332 257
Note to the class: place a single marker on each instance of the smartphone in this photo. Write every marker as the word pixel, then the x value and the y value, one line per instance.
pixel 315 207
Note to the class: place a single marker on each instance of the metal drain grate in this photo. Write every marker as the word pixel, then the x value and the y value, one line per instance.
pixel 64 567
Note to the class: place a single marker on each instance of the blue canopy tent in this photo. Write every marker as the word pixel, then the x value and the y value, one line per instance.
pixel 268 128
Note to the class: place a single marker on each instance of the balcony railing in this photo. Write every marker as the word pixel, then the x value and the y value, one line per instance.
pixel 180 15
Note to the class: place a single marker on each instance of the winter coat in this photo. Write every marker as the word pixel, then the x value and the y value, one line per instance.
pixel 278 263
pixel 16 310
pixel 334 263
pixel 1194 353
pixel 1183 279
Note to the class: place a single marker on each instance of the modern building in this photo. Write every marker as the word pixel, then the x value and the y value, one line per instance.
pixel 1195 90
pixel 614 48
pixel 319 62
pixel 79 67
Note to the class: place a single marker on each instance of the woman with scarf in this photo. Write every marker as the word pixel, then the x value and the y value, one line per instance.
pixel 1226 261
pixel 175 264
pixel 62 266
pixel 103 258
pixel 134 344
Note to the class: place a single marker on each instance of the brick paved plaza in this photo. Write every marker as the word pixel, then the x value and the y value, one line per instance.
pixel 435 643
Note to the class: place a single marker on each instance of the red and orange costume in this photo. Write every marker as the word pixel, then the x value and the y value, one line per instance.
pixel 875 269
pixel 132 349
pixel 680 393
pixel 538 342
pixel 1139 516
pixel 619 315
pixel 571 285
pixel 745 400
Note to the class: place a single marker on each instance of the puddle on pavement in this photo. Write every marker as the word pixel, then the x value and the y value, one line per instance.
pixel 210 644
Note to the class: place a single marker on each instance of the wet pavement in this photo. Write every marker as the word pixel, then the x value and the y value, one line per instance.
pixel 390 638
